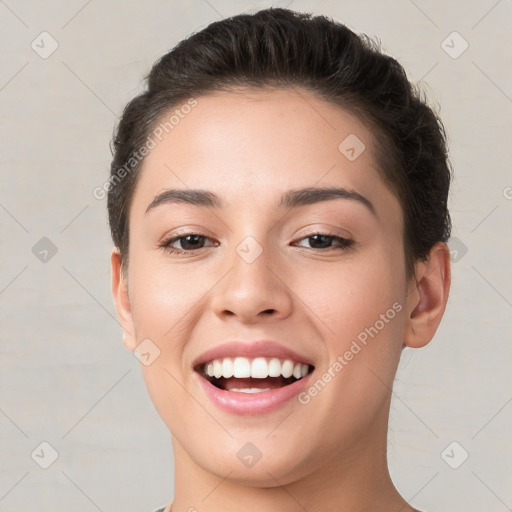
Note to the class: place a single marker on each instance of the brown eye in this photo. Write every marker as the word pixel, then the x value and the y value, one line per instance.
pixel 187 243
pixel 321 242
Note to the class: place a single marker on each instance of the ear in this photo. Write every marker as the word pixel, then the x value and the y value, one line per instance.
pixel 122 300
pixel 427 296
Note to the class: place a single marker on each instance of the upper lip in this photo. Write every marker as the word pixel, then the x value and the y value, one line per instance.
pixel 253 349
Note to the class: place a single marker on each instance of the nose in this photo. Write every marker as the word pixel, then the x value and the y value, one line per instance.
pixel 254 291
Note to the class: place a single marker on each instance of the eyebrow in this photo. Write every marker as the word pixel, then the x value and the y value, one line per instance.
pixel 290 199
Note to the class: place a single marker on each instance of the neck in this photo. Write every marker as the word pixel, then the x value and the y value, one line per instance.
pixel 356 479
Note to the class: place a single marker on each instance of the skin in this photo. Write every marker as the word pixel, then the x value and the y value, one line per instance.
pixel 249 147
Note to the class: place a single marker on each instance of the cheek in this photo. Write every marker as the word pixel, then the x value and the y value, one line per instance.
pixel 350 296
pixel 359 311
pixel 161 297
pixel 361 318
pixel 164 306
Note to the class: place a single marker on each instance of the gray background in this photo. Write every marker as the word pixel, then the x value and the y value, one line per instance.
pixel 66 378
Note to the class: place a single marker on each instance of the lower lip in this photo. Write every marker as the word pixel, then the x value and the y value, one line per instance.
pixel 252 403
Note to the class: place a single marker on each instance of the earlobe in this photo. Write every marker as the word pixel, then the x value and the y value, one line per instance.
pixel 427 297
pixel 122 300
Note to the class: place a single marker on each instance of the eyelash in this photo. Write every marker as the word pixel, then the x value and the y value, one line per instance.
pixel 343 243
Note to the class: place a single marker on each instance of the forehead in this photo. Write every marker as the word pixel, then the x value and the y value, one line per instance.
pixel 254 144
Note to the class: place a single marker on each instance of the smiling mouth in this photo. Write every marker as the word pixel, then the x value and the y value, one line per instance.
pixel 246 375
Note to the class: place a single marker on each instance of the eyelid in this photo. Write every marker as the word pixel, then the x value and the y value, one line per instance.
pixel 327 229
pixel 341 243
pixel 166 240
pixel 184 231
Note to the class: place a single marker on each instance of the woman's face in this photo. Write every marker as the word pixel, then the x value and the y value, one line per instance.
pixel 321 276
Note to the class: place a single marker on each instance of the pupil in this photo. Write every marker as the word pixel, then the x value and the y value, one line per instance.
pixel 192 245
pixel 316 238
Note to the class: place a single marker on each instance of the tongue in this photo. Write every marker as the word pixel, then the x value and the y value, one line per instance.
pixel 268 383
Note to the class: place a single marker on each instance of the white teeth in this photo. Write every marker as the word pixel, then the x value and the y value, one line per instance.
pixel 274 368
pixel 249 390
pixel 258 368
pixel 217 369
pixel 241 368
pixel 287 369
pixel 227 367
